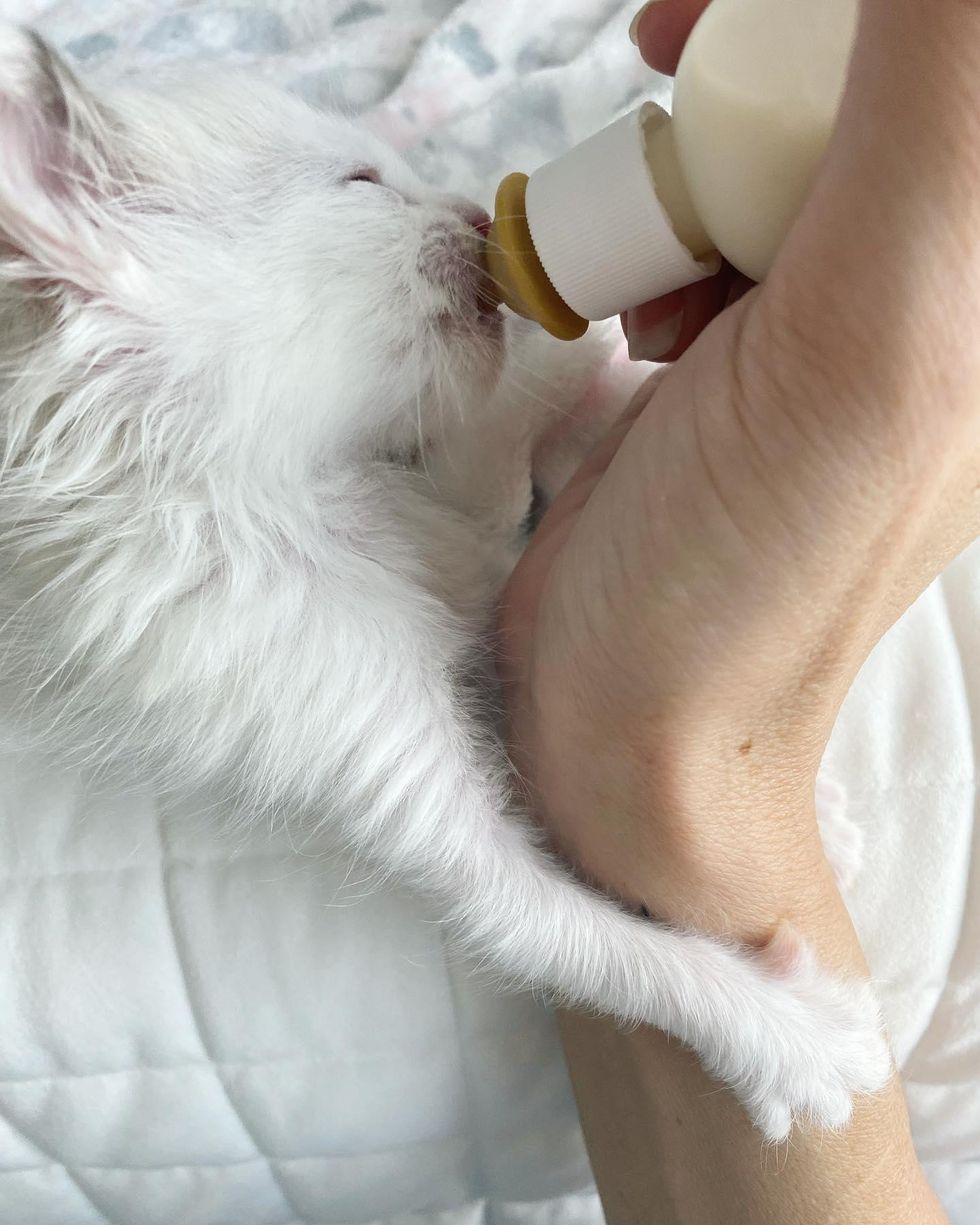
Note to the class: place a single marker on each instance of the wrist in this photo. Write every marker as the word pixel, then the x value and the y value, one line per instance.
pixel 722 841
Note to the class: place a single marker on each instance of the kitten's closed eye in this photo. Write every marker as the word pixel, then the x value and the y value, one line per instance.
pixel 364 174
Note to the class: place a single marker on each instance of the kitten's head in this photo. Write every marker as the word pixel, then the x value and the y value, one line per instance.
pixel 214 269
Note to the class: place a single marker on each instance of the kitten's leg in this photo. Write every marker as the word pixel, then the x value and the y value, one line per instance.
pixel 790 1040
pixel 480 465
pixel 420 791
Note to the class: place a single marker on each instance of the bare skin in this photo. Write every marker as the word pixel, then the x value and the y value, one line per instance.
pixel 677 642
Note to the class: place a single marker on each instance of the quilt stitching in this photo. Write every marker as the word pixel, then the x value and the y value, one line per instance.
pixel 200 1028
pixel 53 1162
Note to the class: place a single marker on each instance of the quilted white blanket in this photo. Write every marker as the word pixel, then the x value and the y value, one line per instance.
pixel 200 1032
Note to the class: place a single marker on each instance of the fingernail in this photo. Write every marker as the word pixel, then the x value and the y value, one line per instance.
pixel 651 344
pixel 635 23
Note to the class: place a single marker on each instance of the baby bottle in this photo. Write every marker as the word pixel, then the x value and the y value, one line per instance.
pixel 651 203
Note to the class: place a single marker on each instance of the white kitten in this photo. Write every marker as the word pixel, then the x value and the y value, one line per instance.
pixel 230 326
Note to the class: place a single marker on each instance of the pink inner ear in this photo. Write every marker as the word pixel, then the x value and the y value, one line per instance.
pixel 48 215
pixel 53 223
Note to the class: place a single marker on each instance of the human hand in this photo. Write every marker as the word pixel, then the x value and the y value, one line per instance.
pixel 661 331
pixel 680 634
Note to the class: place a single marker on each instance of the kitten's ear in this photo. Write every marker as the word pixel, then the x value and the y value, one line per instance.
pixel 55 170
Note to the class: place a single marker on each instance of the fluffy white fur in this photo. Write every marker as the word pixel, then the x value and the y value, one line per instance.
pixel 259 490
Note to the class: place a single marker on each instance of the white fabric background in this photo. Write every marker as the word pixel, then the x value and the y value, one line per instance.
pixel 196 1031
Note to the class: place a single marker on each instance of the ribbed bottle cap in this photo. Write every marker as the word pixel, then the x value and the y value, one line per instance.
pixel 515 275
pixel 605 240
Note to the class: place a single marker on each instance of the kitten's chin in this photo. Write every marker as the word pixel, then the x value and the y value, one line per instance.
pixel 478 338
pixel 479 351
pixel 491 335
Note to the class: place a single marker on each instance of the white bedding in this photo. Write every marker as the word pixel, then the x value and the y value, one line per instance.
pixel 195 1031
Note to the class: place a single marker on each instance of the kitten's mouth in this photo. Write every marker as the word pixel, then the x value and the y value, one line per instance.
pixel 488 298
pixel 457 262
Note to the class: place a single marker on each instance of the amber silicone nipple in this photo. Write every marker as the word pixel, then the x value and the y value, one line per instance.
pixel 518 275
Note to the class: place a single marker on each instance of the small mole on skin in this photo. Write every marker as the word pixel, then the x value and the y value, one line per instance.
pixel 745 747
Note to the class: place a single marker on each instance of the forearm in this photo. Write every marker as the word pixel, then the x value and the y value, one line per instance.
pixel 668 1147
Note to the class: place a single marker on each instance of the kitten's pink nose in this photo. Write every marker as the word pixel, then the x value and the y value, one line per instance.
pixel 479 220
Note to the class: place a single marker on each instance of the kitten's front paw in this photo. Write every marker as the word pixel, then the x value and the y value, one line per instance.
pixel 831 1046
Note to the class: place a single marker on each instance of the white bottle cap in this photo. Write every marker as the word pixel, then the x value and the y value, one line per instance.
pixel 604 238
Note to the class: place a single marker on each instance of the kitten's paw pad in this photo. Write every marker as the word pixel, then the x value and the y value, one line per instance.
pixel 843 838
pixel 829 1045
